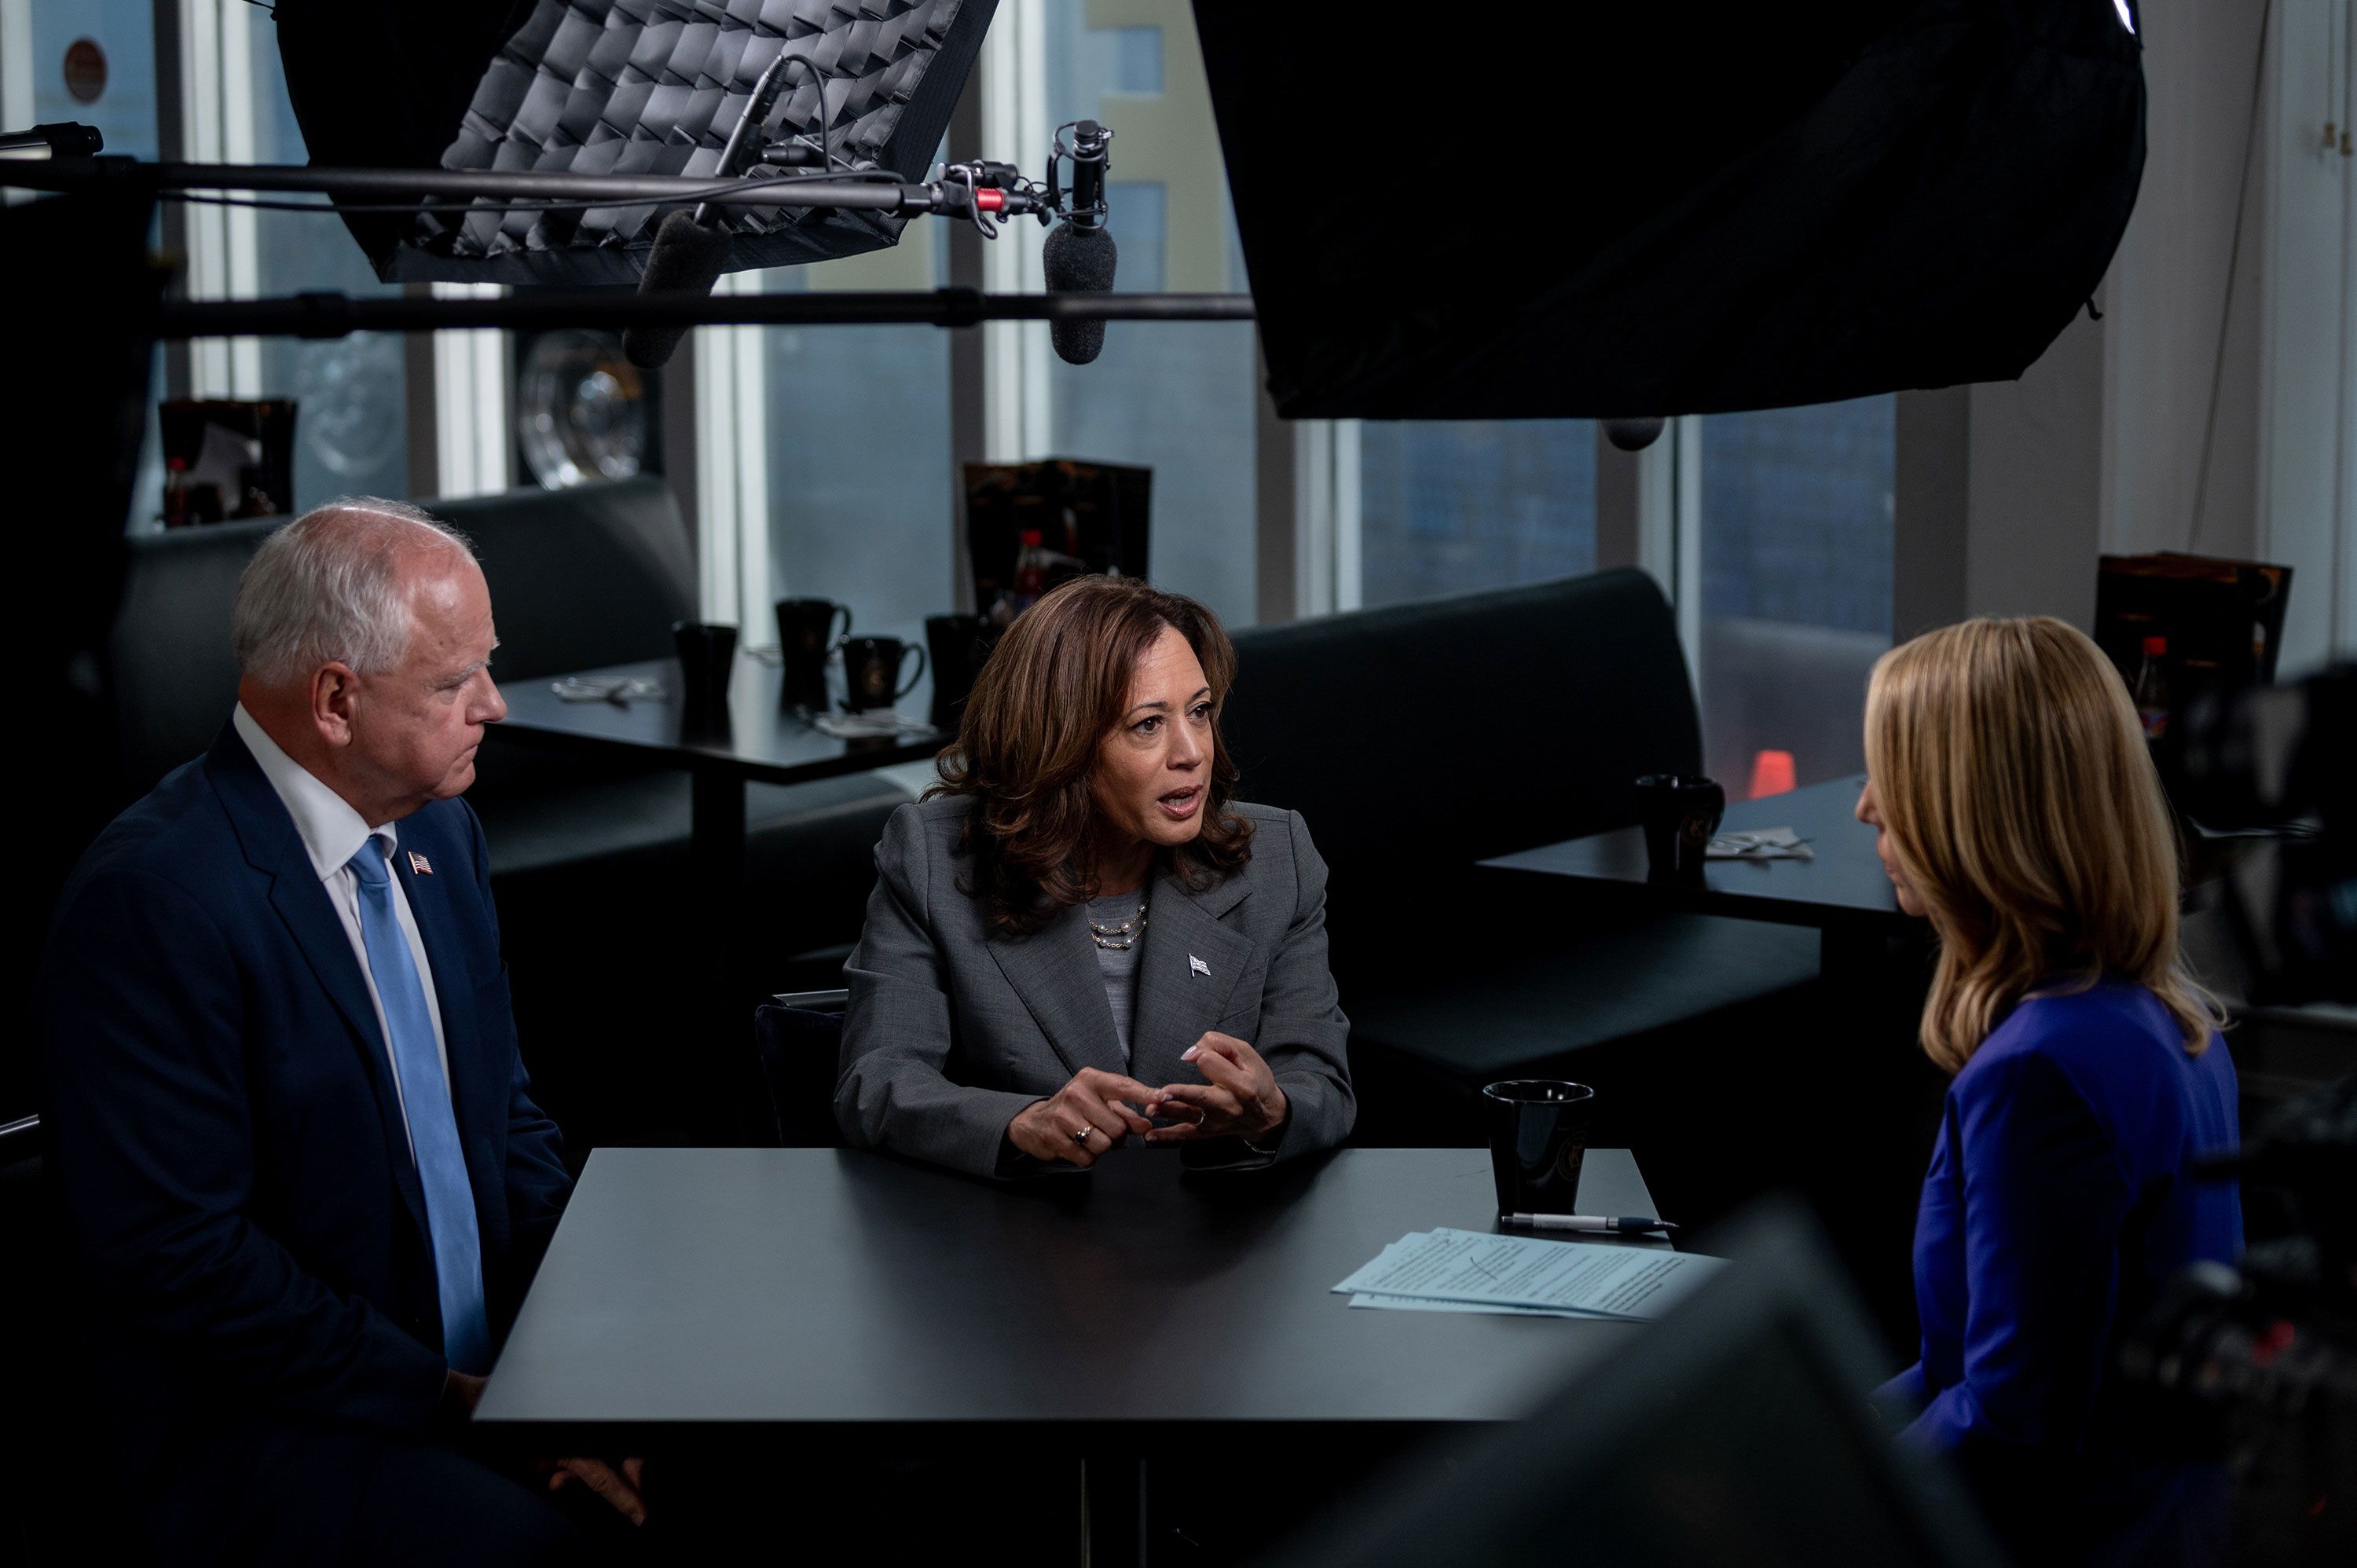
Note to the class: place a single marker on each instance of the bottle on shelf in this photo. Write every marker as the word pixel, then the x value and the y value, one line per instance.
pixel 2152 695
pixel 1030 570
pixel 175 493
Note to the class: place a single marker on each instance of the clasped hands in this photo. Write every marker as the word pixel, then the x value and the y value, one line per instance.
pixel 1241 1099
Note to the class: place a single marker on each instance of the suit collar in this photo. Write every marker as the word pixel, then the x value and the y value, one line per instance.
pixel 1191 966
pixel 268 835
pixel 477 1087
pixel 331 831
pixel 1054 971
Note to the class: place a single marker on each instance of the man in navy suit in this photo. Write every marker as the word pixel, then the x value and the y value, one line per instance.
pixel 302 1171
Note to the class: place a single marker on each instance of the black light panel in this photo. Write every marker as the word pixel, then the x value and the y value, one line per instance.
pixel 1531 211
pixel 639 87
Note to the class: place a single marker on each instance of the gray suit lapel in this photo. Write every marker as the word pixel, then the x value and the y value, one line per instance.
pixel 1177 1001
pixel 1054 971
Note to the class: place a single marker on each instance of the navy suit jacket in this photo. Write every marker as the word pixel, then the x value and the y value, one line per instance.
pixel 227 1143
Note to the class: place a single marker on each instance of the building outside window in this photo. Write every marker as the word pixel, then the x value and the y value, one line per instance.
pixel 1448 506
pixel 1795 579
pixel 1176 397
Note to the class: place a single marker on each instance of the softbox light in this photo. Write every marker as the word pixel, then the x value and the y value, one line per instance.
pixel 1529 210
pixel 615 87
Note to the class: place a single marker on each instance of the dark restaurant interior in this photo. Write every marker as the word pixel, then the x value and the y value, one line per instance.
pixel 1704 659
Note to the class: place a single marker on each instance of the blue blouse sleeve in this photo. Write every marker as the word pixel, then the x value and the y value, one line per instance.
pixel 2045 1197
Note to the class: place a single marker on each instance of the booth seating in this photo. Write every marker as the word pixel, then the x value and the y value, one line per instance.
pixel 588 860
pixel 1419 740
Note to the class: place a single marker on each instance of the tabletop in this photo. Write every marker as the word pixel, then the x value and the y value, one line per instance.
pixel 764 740
pixel 689 1288
pixel 1845 882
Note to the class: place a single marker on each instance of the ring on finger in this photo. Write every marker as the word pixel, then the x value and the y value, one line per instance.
pixel 1083 1135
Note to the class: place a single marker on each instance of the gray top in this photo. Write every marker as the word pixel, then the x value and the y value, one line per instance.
pixel 1118 964
pixel 831 1288
pixel 952 1028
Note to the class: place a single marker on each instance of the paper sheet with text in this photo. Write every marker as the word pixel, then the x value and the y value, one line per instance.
pixel 1452 1270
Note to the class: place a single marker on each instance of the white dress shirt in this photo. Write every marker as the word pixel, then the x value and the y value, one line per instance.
pixel 331 833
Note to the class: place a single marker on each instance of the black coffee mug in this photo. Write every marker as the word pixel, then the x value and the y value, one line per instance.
pixel 805 634
pixel 1680 812
pixel 707 657
pixel 871 665
pixel 959 645
pixel 1538 1140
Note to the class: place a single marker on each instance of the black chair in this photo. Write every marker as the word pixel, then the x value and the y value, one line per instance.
pixel 799 1036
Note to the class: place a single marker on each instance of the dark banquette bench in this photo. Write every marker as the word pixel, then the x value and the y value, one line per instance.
pixel 1417 741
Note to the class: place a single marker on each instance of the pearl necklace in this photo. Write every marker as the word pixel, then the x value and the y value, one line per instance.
pixel 1119 939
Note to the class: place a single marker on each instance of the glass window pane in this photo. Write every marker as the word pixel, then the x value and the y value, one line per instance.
pixel 95 63
pixel 1447 505
pixel 1796 548
pixel 1176 397
pixel 352 417
pixel 861 502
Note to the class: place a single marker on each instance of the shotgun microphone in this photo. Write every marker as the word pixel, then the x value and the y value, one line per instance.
pixel 1080 254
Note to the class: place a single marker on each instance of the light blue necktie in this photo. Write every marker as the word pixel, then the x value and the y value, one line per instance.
pixel 433 1129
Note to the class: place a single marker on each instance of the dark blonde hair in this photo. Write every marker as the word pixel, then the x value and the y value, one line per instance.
pixel 1053 688
pixel 2021 803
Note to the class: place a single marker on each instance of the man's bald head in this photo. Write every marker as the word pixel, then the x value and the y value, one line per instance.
pixel 334 586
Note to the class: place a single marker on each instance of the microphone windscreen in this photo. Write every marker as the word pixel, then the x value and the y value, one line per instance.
pixel 1079 260
pixel 1632 435
pixel 687 257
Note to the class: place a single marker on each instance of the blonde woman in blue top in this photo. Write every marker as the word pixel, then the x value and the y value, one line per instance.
pixel 2016 808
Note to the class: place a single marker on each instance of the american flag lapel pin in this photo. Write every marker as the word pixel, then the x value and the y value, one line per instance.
pixel 1196 966
pixel 418 865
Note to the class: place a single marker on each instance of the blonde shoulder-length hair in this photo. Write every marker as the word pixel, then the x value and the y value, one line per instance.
pixel 2013 780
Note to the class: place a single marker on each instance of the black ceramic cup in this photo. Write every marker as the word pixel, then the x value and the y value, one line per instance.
pixel 1680 812
pixel 958 644
pixel 871 666
pixel 1538 1139
pixel 707 657
pixel 805 633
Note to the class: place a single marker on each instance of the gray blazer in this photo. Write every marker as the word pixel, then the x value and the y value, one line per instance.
pixel 951 1029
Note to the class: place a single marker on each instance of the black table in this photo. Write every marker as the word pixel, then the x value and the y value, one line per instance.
pixel 876 1301
pixel 764 740
pixel 1861 1073
pixel 1842 892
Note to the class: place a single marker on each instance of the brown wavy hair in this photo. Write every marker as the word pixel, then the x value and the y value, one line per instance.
pixel 1053 688
pixel 2021 801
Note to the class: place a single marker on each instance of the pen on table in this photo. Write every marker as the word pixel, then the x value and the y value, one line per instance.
pixel 1622 1225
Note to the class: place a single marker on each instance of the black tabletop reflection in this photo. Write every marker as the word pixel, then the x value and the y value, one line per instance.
pixel 1845 882
pixel 714 1287
pixel 759 737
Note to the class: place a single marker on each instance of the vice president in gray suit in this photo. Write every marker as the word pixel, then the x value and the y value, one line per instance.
pixel 1077 941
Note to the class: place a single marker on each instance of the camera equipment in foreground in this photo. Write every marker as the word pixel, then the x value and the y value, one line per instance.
pixel 1735 1431
pixel 2259 1365
pixel 1627 210
pixel 2261 773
